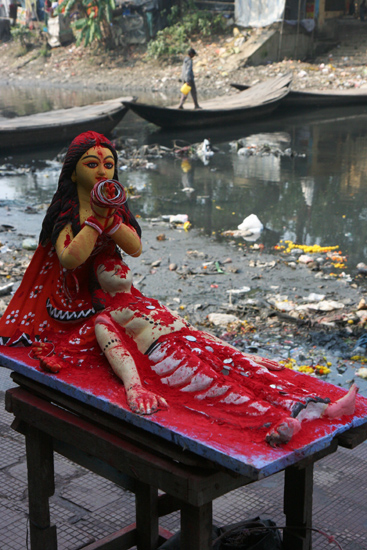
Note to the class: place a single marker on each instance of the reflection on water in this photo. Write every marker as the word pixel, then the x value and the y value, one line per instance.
pixel 317 196
pixel 27 101
pixel 15 101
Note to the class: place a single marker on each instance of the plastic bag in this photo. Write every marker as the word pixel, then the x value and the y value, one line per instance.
pixel 250 535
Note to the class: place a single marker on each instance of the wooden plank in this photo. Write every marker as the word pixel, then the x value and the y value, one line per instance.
pixel 146 504
pixel 177 424
pixel 167 504
pixel 132 433
pixel 353 437
pixel 196 527
pixel 298 490
pixel 186 483
pixel 121 540
pixel 40 487
pixel 95 465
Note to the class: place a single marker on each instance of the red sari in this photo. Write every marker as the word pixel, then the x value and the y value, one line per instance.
pixel 50 301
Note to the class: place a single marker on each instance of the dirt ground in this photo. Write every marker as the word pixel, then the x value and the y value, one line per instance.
pixel 216 66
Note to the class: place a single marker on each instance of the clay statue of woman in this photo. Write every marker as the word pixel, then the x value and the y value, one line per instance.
pixel 55 290
pixel 133 329
pixel 76 302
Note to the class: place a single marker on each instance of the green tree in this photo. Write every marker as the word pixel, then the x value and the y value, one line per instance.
pixel 175 39
pixel 94 22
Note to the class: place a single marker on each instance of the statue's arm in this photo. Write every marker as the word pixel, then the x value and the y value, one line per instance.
pixel 74 251
pixel 128 240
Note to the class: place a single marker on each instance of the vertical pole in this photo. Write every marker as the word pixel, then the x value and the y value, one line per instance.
pixel 298 23
pixel 41 486
pixel 147 528
pixel 196 527
pixel 281 34
pixel 298 489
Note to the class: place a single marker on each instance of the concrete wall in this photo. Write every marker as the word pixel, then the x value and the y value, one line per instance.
pixel 287 44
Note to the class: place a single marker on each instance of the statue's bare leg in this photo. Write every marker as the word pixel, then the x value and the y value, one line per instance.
pixel 284 430
pixel 140 399
pixel 344 406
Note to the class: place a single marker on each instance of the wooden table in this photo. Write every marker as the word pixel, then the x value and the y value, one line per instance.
pixel 143 463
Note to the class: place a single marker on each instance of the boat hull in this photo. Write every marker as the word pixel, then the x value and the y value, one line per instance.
pixel 251 104
pixel 168 118
pixel 305 99
pixel 61 125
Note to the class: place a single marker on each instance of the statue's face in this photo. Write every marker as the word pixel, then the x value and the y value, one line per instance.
pixel 96 164
pixel 114 276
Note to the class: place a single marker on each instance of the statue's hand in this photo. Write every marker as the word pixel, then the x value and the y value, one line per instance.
pixel 143 401
pixel 263 362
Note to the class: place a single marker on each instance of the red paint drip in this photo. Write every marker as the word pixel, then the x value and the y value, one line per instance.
pixel 67 241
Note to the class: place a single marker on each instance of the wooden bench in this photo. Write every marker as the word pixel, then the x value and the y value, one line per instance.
pixel 143 463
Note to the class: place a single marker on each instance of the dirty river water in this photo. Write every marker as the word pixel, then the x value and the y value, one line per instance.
pixel 304 176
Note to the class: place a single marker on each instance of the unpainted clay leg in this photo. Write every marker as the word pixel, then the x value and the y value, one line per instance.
pixel 344 406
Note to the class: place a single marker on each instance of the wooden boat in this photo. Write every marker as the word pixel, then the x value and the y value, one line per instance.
pixel 250 104
pixel 305 99
pixel 62 124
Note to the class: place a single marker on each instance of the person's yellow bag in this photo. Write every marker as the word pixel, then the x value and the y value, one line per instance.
pixel 185 89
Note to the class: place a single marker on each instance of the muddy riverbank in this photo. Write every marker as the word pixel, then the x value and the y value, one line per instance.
pixel 132 71
pixel 262 301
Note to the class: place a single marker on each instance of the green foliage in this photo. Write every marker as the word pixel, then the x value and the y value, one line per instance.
pixel 175 39
pixel 95 17
pixel 24 36
pixel 21 33
pixel 44 51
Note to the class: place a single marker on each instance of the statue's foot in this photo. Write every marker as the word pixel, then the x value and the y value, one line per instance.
pixel 283 431
pixel 344 406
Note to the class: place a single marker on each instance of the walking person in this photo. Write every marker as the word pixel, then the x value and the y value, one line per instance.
pixel 187 77
pixel 362 10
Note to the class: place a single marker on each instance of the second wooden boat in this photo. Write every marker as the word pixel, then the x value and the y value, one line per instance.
pixel 250 104
pixel 303 99
pixel 62 124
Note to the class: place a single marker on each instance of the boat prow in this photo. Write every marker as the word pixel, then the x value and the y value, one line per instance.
pixel 259 100
pixel 317 98
pixel 62 124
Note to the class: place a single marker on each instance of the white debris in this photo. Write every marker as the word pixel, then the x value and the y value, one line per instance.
pixel 252 224
pixel 222 319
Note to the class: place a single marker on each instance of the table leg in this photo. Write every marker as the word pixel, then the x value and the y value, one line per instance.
pixel 196 526
pixel 147 519
pixel 40 462
pixel 298 489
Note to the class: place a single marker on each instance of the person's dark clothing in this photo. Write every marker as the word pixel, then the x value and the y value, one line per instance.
pixel 187 75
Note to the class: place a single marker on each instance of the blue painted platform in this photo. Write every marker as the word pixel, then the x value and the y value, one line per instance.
pixel 188 428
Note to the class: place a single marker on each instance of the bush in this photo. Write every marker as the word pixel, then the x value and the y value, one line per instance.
pixel 25 37
pixel 175 39
pixel 95 19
